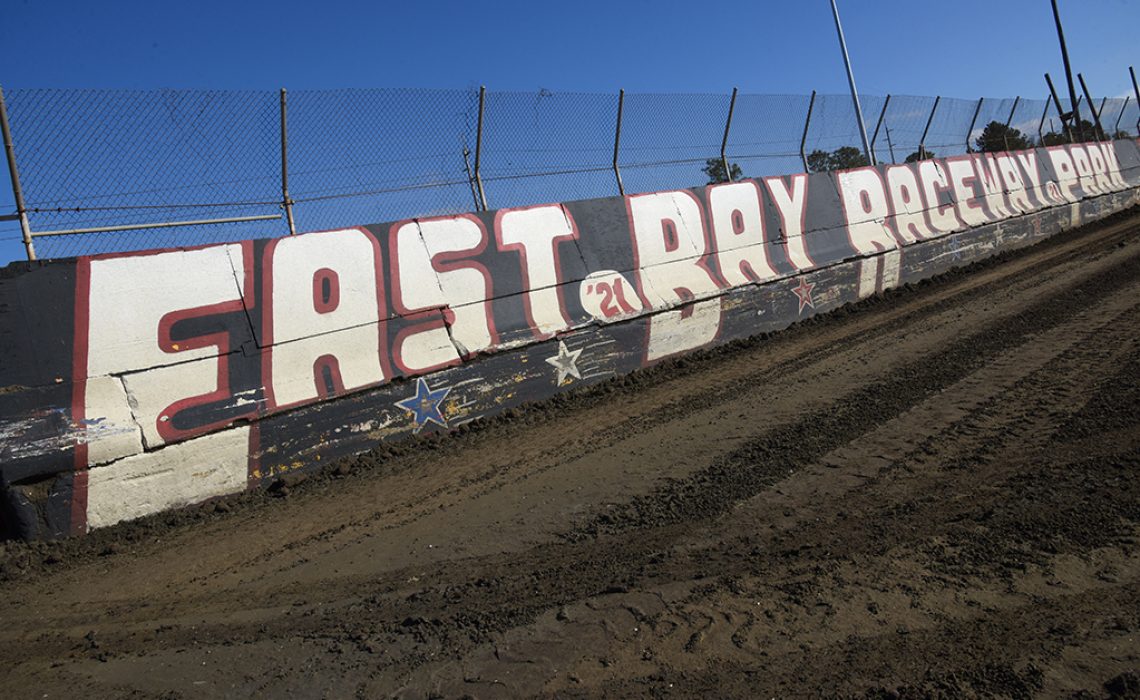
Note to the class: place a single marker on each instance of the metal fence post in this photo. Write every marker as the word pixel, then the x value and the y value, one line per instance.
pixel 882 114
pixel 14 174
pixel 803 139
pixel 617 142
pixel 1060 112
pixel 1092 108
pixel 1016 101
pixel 470 177
pixel 285 199
pixel 1136 90
pixel 973 120
pixel 929 121
pixel 1116 127
pixel 479 148
pixel 724 142
pixel 1041 124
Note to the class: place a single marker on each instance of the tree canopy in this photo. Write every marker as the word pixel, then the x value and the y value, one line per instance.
pixel 842 158
pixel 714 168
pixel 999 137
pixel 920 155
pixel 1087 131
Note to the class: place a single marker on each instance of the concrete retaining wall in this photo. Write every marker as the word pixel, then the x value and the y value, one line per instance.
pixel 141 382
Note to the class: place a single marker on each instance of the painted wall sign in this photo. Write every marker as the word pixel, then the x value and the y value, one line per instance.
pixel 144 381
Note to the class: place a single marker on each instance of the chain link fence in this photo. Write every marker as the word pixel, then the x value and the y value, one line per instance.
pixel 153 166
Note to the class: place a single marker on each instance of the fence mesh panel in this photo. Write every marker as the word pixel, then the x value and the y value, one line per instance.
pixel 902 126
pixel 1027 117
pixel 833 123
pixel 1119 117
pixel 668 139
pixel 100 158
pixel 364 156
pixel 947 133
pixel 545 146
pixel 765 134
pixel 92 158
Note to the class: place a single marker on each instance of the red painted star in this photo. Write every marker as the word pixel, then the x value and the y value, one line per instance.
pixel 803 292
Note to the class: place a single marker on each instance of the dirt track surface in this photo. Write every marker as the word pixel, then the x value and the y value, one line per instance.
pixel 935 494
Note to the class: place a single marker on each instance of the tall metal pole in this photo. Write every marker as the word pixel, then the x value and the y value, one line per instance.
pixel 617 142
pixel 479 147
pixel 724 143
pixel 1068 69
pixel 1092 108
pixel 803 139
pixel 851 82
pixel 14 175
pixel 890 145
pixel 286 202
pixel 878 124
pixel 974 120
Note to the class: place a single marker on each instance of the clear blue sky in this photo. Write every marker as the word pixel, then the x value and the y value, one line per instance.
pixel 997 47
pixel 965 48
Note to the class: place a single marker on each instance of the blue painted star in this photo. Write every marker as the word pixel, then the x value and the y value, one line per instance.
pixel 424 405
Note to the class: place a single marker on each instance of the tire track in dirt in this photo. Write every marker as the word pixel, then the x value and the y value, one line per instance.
pixel 612 445
pixel 683 627
pixel 775 455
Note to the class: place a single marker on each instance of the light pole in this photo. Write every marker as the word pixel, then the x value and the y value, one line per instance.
pixel 851 82
pixel 1076 114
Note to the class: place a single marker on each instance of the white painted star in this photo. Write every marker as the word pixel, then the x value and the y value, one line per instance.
pixel 566 362
pixel 803 293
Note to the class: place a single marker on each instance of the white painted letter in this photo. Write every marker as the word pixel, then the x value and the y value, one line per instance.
pixel 942 217
pixel 792 205
pixel 965 193
pixel 865 209
pixel 131 301
pixel 906 201
pixel 535 233
pixel 324 313
pixel 668 243
pixel 738 229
